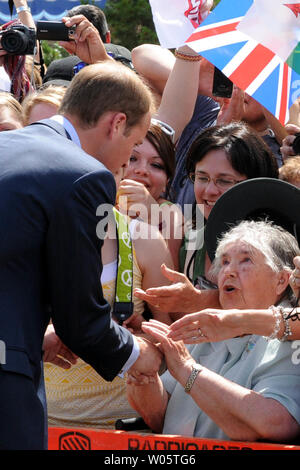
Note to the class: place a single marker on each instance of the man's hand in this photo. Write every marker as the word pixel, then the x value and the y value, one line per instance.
pixel 55 351
pixel 146 367
pixel 87 44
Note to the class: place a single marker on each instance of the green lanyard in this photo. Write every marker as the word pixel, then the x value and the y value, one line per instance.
pixel 123 305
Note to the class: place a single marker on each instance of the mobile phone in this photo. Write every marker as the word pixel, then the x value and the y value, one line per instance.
pixel 222 85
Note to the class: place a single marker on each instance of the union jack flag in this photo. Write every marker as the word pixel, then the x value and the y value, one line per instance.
pixel 251 66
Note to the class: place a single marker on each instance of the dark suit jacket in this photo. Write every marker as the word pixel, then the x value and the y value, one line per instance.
pixel 50 254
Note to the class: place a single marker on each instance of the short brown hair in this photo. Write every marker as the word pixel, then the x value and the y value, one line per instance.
pixel 103 87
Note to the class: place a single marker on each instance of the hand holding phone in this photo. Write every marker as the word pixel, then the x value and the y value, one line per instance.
pixel 222 85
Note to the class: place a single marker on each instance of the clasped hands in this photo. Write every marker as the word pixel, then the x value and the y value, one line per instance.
pixel 177 358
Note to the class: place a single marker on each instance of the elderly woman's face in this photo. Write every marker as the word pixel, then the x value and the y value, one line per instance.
pixel 245 280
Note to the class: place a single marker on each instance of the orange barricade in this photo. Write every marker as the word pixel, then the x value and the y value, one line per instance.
pixel 90 439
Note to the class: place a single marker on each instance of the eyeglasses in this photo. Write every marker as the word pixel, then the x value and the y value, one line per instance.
pixel 164 127
pixel 221 183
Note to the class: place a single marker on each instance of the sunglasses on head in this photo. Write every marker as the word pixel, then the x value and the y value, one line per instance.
pixel 166 128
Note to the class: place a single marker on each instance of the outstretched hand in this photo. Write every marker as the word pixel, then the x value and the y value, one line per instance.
pixel 209 325
pixel 181 296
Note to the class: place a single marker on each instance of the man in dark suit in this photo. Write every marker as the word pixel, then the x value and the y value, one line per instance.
pixel 54 175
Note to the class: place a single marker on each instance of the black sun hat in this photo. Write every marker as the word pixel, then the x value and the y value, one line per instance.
pixel 254 199
pixel 61 71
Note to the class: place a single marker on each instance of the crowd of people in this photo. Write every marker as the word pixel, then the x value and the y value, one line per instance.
pixel 149 244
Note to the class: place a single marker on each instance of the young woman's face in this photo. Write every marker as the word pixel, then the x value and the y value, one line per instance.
pixel 214 175
pixel 148 168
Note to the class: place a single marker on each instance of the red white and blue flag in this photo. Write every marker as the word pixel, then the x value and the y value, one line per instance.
pixel 252 66
pixel 254 42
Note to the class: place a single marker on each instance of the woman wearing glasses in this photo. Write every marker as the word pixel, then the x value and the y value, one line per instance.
pixel 220 157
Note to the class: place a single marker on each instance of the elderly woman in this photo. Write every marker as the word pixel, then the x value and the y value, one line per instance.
pixel 245 388
pixel 217 325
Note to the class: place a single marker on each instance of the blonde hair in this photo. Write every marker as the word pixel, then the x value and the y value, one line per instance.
pixel 9 101
pixel 52 95
pixel 290 171
pixel 103 87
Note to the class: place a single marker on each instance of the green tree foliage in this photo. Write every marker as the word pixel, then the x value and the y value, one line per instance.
pixel 52 51
pixel 130 22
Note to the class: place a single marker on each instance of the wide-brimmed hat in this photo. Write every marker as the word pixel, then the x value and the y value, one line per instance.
pixel 254 199
pixel 61 71
pixel 119 53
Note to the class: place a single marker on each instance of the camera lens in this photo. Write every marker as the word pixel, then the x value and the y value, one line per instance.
pixel 296 144
pixel 14 42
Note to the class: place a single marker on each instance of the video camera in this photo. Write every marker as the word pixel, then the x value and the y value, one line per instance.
pixel 19 39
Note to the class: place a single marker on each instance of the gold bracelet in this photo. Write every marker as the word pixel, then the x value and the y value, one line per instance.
pixel 189 57
pixel 190 381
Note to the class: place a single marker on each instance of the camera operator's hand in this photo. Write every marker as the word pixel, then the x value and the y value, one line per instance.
pixel 287 144
pixel 87 44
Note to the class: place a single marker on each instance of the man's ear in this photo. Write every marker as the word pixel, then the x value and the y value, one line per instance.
pixel 117 125
pixel 107 37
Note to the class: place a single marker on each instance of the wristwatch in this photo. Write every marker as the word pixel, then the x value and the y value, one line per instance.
pixel 190 381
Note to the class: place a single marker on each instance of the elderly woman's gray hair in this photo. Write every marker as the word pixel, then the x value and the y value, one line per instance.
pixel 278 246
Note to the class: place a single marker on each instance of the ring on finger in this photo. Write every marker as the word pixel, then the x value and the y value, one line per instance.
pixel 200 333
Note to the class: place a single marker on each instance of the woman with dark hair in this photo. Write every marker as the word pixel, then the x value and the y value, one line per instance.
pixel 145 189
pixel 146 186
pixel 152 164
pixel 219 158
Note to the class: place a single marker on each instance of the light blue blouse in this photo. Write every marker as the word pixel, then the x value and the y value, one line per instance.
pixel 270 368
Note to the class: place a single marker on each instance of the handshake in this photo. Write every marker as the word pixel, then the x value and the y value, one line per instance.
pixel 142 372
pixel 148 364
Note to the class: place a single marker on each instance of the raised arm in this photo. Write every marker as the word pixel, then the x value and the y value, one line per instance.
pixel 26 18
pixel 181 90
